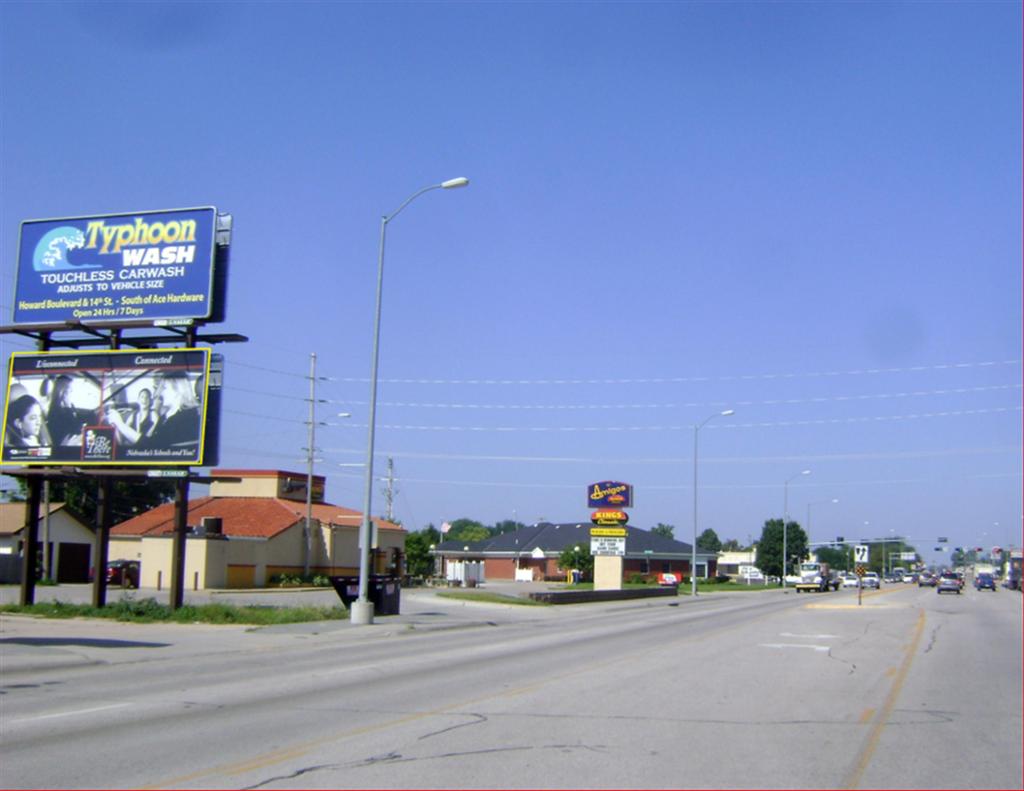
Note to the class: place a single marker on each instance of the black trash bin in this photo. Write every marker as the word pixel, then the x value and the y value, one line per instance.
pixel 383 590
pixel 347 589
pixel 385 593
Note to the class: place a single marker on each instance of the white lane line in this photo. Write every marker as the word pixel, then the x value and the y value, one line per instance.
pixel 69 713
pixel 793 645
pixel 810 636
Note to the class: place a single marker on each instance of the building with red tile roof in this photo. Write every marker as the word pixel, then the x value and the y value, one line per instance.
pixel 251 529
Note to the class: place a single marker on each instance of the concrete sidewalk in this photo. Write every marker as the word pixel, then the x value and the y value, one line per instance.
pixel 274 597
pixel 29 644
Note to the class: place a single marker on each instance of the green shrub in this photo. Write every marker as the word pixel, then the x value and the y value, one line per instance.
pixel 299 580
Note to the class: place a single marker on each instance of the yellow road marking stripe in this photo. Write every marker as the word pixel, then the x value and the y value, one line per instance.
pixel 868 751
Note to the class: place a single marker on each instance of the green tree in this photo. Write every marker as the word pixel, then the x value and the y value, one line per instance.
pixel 418 560
pixel 467 531
pixel 709 541
pixel 661 529
pixel 769 548
pixel 838 558
pixel 506 526
pixel 578 557
pixel 128 498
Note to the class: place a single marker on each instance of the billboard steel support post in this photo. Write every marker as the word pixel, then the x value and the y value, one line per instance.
pixel 178 550
pixel 30 546
pixel 101 541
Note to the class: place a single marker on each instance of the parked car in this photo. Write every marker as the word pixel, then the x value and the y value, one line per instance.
pixel 124 573
pixel 871 580
pixel 948 583
pixel 984 581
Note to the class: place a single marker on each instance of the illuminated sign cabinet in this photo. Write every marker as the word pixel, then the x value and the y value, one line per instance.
pixel 121 268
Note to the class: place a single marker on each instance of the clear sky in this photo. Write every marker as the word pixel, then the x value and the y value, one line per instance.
pixel 806 212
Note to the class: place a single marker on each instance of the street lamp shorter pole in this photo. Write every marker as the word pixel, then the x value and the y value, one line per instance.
pixel 785 518
pixel 693 548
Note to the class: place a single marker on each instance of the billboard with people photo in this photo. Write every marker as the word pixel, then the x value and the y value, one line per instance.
pixel 141 407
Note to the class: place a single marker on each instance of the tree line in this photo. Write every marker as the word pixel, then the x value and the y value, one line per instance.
pixel 768 548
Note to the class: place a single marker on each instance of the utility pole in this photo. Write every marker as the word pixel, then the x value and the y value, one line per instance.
pixel 390 491
pixel 311 439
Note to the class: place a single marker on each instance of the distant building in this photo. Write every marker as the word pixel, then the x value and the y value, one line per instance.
pixel 252 528
pixel 69 546
pixel 531 553
pixel 732 564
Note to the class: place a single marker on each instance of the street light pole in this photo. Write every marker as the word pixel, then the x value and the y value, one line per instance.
pixel 785 518
pixel 362 609
pixel 693 548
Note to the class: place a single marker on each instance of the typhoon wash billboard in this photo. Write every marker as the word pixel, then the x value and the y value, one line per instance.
pixel 116 267
pixel 146 407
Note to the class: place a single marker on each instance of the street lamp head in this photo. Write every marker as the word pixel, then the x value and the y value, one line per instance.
pixel 805 472
pixel 727 412
pixel 461 181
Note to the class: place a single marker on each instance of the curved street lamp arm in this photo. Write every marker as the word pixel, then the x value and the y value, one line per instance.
pixel 389 217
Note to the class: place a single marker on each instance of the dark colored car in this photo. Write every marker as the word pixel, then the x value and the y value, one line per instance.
pixel 124 573
pixel 983 581
pixel 948 583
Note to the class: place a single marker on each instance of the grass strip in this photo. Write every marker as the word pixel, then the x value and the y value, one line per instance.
pixel 150 611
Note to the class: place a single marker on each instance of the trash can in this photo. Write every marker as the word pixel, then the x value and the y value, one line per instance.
pixel 347 589
pixel 383 590
pixel 385 593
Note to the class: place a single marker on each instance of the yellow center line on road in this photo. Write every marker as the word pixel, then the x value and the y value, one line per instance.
pixel 868 595
pixel 867 752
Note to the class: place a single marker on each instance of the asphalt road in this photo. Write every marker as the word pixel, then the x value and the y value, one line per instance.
pixel 744 690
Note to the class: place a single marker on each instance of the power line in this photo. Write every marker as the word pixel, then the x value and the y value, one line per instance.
pixel 686 379
pixel 766 402
pixel 925 454
pixel 689 427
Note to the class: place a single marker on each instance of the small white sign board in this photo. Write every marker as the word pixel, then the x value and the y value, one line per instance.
pixel 860 553
pixel 607 545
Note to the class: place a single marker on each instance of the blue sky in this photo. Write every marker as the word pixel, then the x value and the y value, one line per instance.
pixel 808 212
